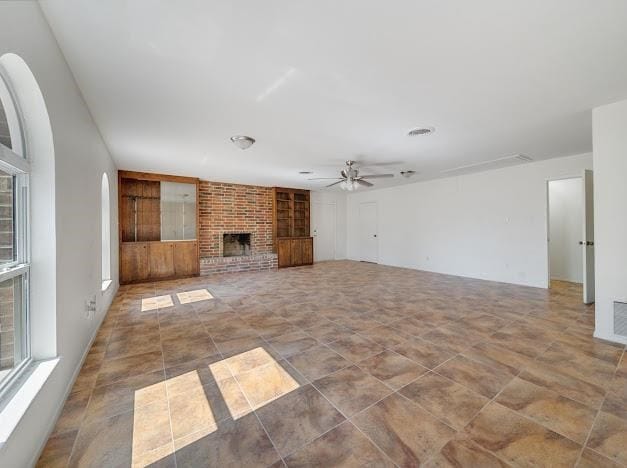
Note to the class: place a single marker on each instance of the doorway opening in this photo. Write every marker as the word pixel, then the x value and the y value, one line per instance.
pixel 570 232
pixel 323 216
pixel 368 227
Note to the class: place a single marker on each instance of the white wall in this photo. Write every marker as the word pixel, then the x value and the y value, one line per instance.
pixel 339 199
pixel 609 125
pixel 80 159
pixel 565 222
pixel 490 225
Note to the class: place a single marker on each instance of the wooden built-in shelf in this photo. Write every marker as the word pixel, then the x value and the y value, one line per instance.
pixel 144 256
pixel 291 237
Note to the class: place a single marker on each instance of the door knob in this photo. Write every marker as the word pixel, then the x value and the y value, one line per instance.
pixel 375 235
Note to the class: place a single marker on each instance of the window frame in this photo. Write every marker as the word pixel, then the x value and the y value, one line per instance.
pixel 105 232
pixel 19 167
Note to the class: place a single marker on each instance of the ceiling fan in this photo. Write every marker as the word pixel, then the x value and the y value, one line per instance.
pixel 351 179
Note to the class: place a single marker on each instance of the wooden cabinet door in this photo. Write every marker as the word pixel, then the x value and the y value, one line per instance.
pixel 307 248
pixel 297 252
pixel 133 262
pixel 185 258
pixel 284 251
pixel 161 259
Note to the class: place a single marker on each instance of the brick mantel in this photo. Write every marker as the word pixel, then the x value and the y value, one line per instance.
pixel 231 209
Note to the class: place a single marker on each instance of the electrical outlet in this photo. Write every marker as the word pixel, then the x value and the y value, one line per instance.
pixel 90 307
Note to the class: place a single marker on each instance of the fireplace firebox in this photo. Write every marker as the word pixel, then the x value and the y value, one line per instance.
pixel 236 245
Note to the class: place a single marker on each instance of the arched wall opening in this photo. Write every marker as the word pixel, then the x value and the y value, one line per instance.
pixel 39 150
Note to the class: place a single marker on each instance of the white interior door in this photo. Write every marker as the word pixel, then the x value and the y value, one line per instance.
pixel 587 241
pixel 323 228
pixel 368 227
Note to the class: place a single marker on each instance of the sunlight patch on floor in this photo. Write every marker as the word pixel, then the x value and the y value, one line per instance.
pixel 197 295
pixel 156 302
pixel 259 376
pixel 245 382
pixel 151 426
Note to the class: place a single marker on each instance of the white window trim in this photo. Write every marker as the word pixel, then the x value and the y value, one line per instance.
pixel 106 284
pixel 18 166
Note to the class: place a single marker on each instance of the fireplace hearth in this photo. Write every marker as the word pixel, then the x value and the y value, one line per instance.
pixel 236 245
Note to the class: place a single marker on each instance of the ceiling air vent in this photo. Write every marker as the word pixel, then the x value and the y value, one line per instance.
pixel 421 131
pixel 620 318
pixel 491 164
pixel 523 157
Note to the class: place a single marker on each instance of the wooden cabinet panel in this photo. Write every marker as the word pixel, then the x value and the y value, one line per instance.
pixel 133 262
pixel 297 252
pixel 284 250
pixel 140 211
pixel 307 249
pixel 185 258
pixel 161 260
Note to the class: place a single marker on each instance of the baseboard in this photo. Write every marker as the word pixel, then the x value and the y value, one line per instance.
pixel 458 275
pixel 77 370
pixel 611 337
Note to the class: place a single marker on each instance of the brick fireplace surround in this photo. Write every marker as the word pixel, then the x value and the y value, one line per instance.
pixel 233 209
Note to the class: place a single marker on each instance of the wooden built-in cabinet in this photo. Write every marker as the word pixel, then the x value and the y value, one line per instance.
pixel 144 203
pixel 295 251
pixel 142 261
pixel 291 222
pixel 133 262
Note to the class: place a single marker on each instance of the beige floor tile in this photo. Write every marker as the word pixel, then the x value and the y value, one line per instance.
pixel 393 369
pixel 317 362
pixel 405 432
pixel 266 383
pixel 486 380
pixel 520 441
pixel 451 402
pixel 56 453
pixel 123 368
pixel 242 442
pixel 343 446
pixel 426 354
pixel 298 418
pixel 351 389
pixel 562 415
pixel 609 437
pixel 355 347
pixel 461 452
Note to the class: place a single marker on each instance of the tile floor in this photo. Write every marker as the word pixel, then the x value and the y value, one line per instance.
pixel 345 364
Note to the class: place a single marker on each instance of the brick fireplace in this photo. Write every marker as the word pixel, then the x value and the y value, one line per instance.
pixel 232 211
pixel 236 244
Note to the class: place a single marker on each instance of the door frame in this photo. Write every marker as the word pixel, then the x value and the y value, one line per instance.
pixel 548 221
pixel 334 205
pixel 361 253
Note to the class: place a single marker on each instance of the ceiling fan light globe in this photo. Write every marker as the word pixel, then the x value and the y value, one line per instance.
pixel 242 141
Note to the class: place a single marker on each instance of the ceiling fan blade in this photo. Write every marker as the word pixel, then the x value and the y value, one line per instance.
pixel 327 178
pixel 365 183
pixel 377 176
pixel 335 183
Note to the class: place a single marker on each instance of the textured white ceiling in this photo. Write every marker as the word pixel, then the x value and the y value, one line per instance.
pixel 317 82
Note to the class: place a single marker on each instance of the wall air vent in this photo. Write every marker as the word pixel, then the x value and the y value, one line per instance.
pixel 620 319
pixel 491 164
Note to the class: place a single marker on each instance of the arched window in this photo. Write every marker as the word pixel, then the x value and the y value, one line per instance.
pixel 14 243
pixel 27 224
pixel 106 232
